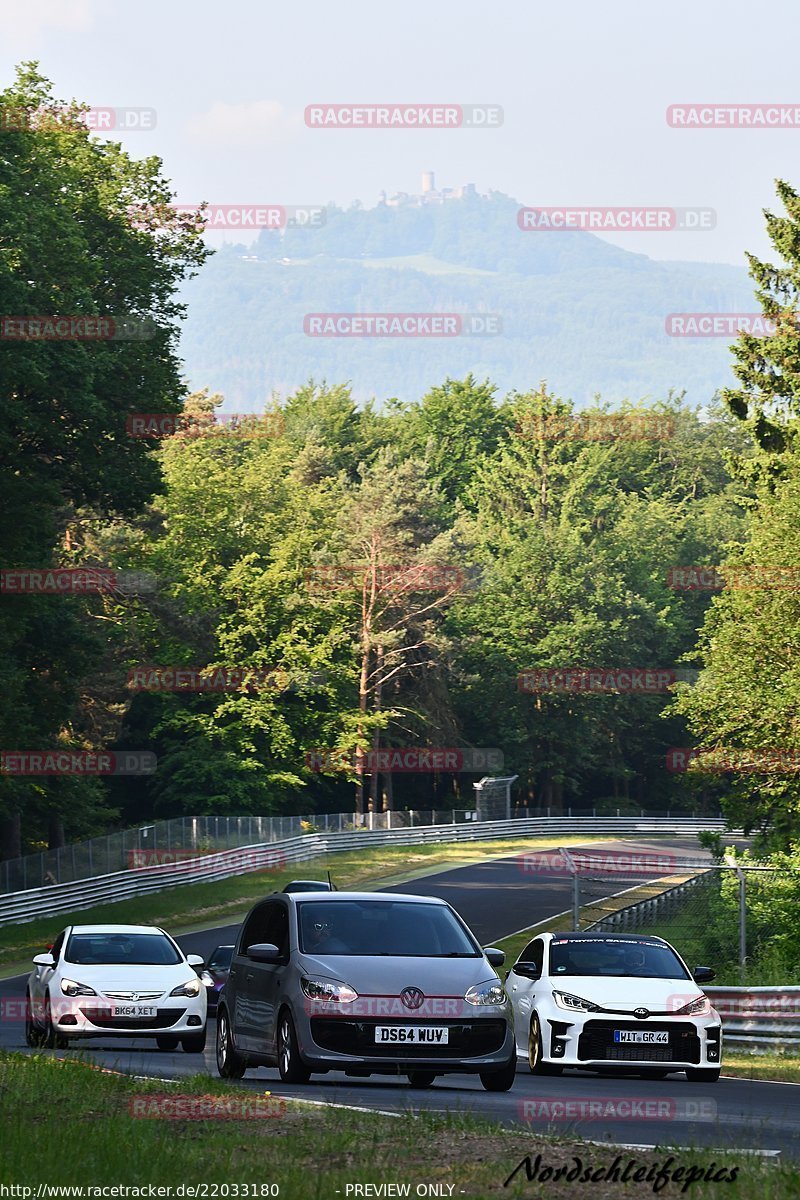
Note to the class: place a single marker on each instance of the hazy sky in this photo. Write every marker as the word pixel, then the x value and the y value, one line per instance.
pixel 584 88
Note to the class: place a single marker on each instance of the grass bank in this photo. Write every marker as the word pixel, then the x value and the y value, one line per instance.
pixel 66 1124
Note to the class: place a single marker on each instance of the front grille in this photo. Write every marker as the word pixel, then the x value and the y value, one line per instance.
pixel 596 1043
pixel 134 996
pixel 164 1018
pixel 358 1038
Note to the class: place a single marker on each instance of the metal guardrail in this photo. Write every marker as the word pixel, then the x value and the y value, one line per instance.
pixel 21 907
pixel 758 1013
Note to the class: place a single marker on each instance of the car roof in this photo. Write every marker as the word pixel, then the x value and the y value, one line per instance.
pixel 116 929
pixel 338 897
pixel 592 935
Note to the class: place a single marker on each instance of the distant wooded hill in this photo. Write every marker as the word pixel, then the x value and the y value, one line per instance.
pixel 586 316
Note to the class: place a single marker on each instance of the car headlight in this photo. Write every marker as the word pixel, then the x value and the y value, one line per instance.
pixel 190 988
pixel 575 1003
pixel 695 1007
pixel 328 991
pixel 70 988
pixel 491 992
pixel 206 979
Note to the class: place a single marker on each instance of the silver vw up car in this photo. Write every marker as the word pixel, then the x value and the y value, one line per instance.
pixel 366 983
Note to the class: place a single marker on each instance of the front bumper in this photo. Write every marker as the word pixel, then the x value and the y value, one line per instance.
pixel 92 1016
pixel 476 1045
pixel 588 1040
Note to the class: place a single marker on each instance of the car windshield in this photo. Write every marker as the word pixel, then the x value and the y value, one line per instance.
pixel 221 958
pixel 641 959
pixel 121 949
pixel 383 927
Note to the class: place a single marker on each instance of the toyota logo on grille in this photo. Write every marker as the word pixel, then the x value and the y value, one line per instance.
pixel 412 997
pixel 641 1013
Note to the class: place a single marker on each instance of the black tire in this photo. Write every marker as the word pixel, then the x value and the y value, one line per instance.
pixel 52 1039
pixel 33 1036
pixel 291 1067
pixel 194 1043
pixel 421 1079
pixel 702 1074
pixel 230 1063
pixel 167 1041
pixel 500 1081
pixel 536 1051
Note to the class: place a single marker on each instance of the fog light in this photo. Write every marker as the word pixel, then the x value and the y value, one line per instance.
pixel 194 1021
pixel 69 1019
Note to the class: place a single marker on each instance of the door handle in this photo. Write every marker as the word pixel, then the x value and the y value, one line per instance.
pixel 248 977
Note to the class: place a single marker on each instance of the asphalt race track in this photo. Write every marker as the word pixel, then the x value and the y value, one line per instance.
pixel 496 898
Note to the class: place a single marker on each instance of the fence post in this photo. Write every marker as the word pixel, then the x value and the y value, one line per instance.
pixel 742 925
pixel 572 867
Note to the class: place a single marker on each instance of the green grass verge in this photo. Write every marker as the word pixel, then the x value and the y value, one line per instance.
pixel 67 1124
pixel 780 1068
pixel 203 905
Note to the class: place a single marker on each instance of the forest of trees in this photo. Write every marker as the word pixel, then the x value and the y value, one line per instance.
pixel 379 575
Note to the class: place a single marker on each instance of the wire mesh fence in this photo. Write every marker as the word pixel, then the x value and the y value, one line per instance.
pixel 170 841
pixel 737 917
pixel 187 837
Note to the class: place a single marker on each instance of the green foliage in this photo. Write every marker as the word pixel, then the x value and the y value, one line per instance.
pixel 70 246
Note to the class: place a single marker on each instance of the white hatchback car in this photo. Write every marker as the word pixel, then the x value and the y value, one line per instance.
pixel 127 981
pixel 613 1002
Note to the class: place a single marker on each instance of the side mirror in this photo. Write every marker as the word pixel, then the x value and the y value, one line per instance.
pixel 264 952
pixel 195 960
pixel 44 960
pixel 704 974
pixel 528 970
pixel 494 957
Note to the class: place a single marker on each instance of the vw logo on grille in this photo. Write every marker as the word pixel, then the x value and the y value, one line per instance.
pixel 641 1013
pixel 412 997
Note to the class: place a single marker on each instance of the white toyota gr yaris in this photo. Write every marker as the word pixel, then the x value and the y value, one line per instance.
pixel 625 1003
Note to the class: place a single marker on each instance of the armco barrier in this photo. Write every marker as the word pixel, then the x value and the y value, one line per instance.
pixel 19 907
pixel 757 1013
